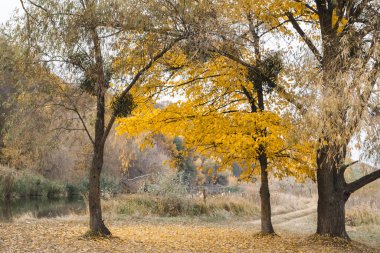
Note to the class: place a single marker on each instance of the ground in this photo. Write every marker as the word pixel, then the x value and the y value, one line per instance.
pixel 163 235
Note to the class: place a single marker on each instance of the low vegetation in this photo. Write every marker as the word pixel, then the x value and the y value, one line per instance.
pixel 27 184
pixel 164 206
pixel 15 184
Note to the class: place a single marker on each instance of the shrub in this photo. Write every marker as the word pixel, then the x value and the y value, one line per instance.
pixel 108 186
pixel 6 186
pixel 170 186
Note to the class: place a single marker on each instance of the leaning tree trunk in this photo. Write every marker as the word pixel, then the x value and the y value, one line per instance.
pixel 332 195
pixel 266 213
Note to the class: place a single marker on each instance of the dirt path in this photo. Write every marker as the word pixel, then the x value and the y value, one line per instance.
pixel 288 218
pixel 304 222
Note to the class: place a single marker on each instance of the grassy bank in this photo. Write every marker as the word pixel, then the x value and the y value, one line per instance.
pixel 24 184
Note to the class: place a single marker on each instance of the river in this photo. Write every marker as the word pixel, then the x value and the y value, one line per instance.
pixel 40 208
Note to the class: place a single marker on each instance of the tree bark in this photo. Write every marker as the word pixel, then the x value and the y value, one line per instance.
pixel 332 194
pixel 266 212
pixel 96 222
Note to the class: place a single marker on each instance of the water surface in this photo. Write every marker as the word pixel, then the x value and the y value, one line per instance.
pixel 40 208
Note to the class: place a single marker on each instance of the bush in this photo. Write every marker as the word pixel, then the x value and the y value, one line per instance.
pixel 72 190
pixel 6 186
pixel 37 186
pixel 169 186
pixel 108 186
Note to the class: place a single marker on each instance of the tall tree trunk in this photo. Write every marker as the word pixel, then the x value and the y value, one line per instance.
pixel 96 222
pixel 266 213
pixel 333 191
pixel 331 216
pixel 332 194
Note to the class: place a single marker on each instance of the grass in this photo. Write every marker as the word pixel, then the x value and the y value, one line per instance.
pixel 362 216
pixel 28 184
pixel 24 184
pixel 169 206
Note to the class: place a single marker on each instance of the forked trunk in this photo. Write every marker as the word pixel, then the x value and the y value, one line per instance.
pixel 266 213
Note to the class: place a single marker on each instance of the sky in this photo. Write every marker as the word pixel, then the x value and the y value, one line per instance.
pixel 7 8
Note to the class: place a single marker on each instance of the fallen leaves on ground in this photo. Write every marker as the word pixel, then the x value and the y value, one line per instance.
pixel 63 235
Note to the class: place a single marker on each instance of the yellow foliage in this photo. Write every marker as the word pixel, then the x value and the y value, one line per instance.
pixel 227 137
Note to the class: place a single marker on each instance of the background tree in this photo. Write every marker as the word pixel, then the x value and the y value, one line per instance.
pixel 216 118
pixel 79 41
pixel 338 86
pixel 347 62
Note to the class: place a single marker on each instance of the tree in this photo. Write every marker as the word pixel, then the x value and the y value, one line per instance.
pixel 348 66
pixel 221 121
pixel 90 43
pixel 24 120
pixel 184 162
pixel 8 69
pixel 339 87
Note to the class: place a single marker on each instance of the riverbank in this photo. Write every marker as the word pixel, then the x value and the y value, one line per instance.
pixel 24 184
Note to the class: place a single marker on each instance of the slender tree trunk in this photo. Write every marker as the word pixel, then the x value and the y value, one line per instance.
pixel 96 222
pixel 266 213
pixel 332 195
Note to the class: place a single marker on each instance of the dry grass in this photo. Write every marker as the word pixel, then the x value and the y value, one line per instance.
pixel 362 216
pixel 140 205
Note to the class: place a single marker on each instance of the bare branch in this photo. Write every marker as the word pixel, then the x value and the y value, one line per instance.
pixel 343 168
pixel 307 40
pixel 363 181
pixel 75 109
pixel 135 80
pixel 38 6
pixel 290 98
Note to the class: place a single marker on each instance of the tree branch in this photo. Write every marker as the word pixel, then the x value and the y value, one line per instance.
pixel 38 6
pixel 307 6
pixel 363 181
pixel 290 98
pixel 343 168
pixel 307 40
pixel 75 109
pixel 280 90
pixel 135 80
